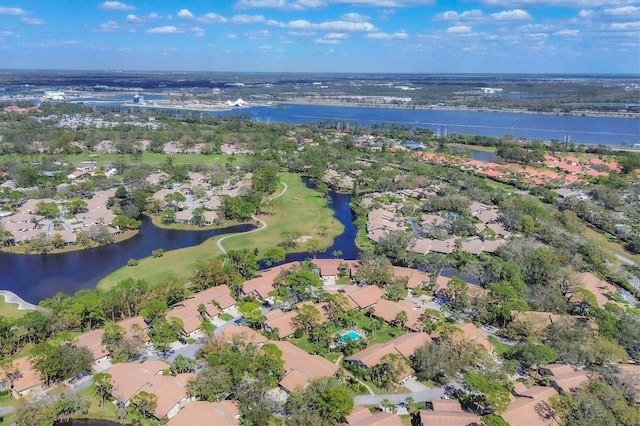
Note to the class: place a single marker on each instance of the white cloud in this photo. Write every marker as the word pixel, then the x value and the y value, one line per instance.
pixel 327 41
pixel 586 14
pixel 625 26
pixel 232 36
pixel 567 33
pixel 400 35
pixel 459 29
pixel 12 11
pixel 247 19
pixel 32 21
pixel 265 47
pixel 212 18
pixel 302 33
pixel 557 3
pixel 109 27
pixel 134 18
pixel 511 15
pixel 167 29
pixel 630 11
pixel 116 5
pixel 355 17
pixel 316 4
pixel 199 32
pixel 257 35
pixel 185 14
pixel 452 15
pixel 477 16
pixel 302 24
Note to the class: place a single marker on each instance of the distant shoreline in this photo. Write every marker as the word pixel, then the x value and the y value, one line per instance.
pixel 339 103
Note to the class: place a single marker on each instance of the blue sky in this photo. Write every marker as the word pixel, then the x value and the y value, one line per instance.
pixel 417 36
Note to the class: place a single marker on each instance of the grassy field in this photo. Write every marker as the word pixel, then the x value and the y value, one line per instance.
pixel 300 210
pixel 150 158
pixel 10 310
pixel 107 412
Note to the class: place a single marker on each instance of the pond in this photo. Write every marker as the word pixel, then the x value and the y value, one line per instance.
pixel 36 277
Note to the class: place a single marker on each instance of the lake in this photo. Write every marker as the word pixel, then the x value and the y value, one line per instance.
pixel 586 130
pixel 36 277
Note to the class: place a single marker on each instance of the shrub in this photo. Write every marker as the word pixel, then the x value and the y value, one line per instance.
pixel 157 253
pixel 298 333
pixel 132 262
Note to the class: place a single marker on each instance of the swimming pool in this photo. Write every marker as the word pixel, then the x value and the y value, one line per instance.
pixel 350 335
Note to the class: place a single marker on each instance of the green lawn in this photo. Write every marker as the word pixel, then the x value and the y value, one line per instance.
pixel 149 158
pixel 300 210
pixel 225 317
pixel 501 348
pixel 363 242
pixel 108 411
pixel 10 310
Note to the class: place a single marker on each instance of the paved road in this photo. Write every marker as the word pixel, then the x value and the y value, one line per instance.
pixel 397 398
pixel 262 222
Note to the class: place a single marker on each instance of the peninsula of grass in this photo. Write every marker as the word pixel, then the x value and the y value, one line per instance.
pixel 299 210
pixel 22 248
pixel 10 310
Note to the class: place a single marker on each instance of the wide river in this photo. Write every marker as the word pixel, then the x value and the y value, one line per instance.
pixel 36 277
pixel 586 130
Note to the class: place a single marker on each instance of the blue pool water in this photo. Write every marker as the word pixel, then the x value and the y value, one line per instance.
pixel 351 335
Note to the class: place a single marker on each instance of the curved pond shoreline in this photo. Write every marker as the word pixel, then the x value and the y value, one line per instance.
pixel 33 278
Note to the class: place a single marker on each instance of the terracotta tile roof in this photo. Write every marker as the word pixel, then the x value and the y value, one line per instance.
pixel 601 289
pixel 473 333
pixel 248 334
pixel 187 310
pixel 446 405
pixel 303 366
pixel 359 412
pixel 379 419
pixel 388 310
pixel 566 382
pixel 130 378
pixel 448 418
pixel 29 377
pixel 93 341
pixel 556 369
pixel 416 278
pixel 525 409
pixel 204 413
pixel 405 345
pixel 283 321
pixel 362 296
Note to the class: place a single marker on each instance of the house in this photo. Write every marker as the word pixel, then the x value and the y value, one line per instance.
pixel 284 322
pixel 405 345
pixel 215 300
pixel 361 297
pixel 301 367
pixel 361 416
pixel 233 333
pixel 602 290
pixel 28 379
pixel 415 278
pixel 529 406
pixel 388 311
pixel 128 379
pixel 331 268
pixel 473 333
pixel 448 413
pixel 281 321
pixel 93 341
pixel 263 284
pixel 204 413
pixel 563 377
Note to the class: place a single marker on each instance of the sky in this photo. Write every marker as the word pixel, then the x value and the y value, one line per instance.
pixel 350 36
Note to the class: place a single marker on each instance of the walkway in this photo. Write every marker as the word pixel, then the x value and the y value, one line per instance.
pixel 262 222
